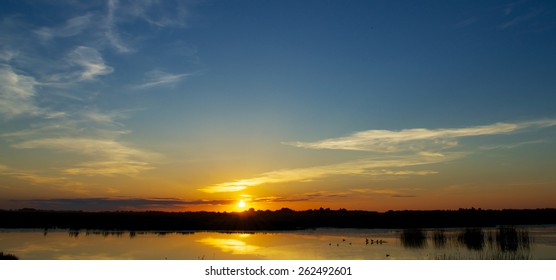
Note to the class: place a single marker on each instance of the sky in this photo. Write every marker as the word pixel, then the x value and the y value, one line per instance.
pixel 229 105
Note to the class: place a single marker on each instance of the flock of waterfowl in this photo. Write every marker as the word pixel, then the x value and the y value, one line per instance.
pixel 367 242
pixel 378 242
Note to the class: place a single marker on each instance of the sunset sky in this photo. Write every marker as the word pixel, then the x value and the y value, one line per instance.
pixel 198 105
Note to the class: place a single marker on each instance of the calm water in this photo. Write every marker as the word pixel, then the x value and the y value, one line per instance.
pixel 490 243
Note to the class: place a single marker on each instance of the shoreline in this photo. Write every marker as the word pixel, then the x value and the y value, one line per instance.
pixel 285 219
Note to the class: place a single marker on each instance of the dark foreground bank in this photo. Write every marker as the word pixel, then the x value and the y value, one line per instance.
pixel 284 219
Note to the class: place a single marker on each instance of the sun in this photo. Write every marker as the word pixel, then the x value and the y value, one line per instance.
pixel 241 204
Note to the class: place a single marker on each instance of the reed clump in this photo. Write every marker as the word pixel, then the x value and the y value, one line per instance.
pixel 473 238
pixel 510 239
pixel 439 238
pixel 413 238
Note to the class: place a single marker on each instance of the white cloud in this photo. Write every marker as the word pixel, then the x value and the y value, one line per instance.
pixel 161 78
pixel 88 123
pixel 109 156
pixel 107 168
pixel 91 61
pixel 418 139
pixel 17 93
pixel 371 167
pixel 398 192
pixel 59 182
pixel 72 27
pixel 227 187
pixel 157 13
pixel 111 32
pixel 7 55
pixel 406 148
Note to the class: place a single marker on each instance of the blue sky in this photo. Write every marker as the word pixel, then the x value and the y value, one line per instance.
pixel 354 104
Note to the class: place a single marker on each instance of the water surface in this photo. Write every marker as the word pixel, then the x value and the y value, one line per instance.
pixel 475 243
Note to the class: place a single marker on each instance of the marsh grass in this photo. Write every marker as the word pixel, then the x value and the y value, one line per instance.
pixel 413 238
pixel 502 243
pixel 512 239
pixel 439 238
pixel 472 238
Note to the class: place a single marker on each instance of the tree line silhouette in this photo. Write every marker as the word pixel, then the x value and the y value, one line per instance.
pixel 7 256
pixel 284 219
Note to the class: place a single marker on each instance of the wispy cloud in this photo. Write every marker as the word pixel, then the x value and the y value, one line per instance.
pixel 91 61
pixel 110 157
pixel 372 167
pixel 273 199
pixel 57 182
pixel 302 196
pixel 156 13
pixel 92 134
pixel 104 203
pixel 398 192
pixel 160 78
pixel 71 27
pixel 348 194
pixel 519 19
pixel 30 177
pixel 81 64
pixel 107 118
pixel 229 187
pixel 6 55
pixel 111 30
pixel 17 93
pixel 418 139
pixel 513 145
pixel 88 122
pixel 399 150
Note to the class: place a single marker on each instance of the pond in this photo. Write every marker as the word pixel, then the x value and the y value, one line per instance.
pixel 508 243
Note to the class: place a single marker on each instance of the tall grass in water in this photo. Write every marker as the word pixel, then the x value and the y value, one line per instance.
pixel 511 244
pixel 413 238
pixel 511 239
pixel 472 238
pixel 503 243
pixel 7 256
pixel 439 238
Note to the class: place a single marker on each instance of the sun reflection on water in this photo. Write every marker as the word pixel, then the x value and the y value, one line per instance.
pixel 228 245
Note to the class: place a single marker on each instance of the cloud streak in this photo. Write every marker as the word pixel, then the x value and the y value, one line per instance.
pixel 371 167
pixel 104 203
pixel 399 149
pixel 156 13
pixel 160 78
pixel 91 61
pixel 58 182
pixel 418 139
pixel 111 30
pixel 110 156
pixel 519 19
pixel 72 27
pixel 17 92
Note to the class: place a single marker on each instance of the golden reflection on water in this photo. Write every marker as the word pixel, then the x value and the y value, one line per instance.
pixel 232 246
